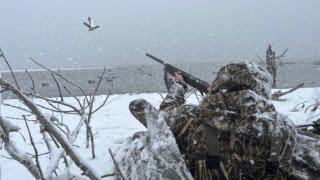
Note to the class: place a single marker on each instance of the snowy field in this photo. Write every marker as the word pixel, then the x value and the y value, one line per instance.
pixel 113 123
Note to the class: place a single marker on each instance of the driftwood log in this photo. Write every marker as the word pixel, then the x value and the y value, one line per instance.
pixel 276 96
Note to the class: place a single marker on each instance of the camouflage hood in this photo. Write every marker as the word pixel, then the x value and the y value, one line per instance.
pixel 243 76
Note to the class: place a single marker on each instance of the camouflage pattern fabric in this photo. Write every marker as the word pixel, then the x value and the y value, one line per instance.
pixel 247 125
pixel 138 107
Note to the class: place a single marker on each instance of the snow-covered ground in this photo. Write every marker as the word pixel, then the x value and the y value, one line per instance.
pixel 113 123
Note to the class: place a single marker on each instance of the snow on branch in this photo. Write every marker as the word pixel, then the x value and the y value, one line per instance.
pixel 52 129
pixel 13 150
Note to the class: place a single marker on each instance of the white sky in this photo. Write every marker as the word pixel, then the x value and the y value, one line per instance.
pixel 177 30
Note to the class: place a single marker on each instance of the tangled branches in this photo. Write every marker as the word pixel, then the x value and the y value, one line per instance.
pixel 57 136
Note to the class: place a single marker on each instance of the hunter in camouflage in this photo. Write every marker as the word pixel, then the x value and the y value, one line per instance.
pixel 235 132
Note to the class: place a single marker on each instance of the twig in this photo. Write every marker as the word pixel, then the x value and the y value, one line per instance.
pixel 16 107
pixel 41 154
pixel 275 96
pixel 294 109
pixel 91 103
pixel 24 139
pixel 116 164
pixel 56 109
pixel 313 110
pixel 310 106
pixel 260 59
pixel 3 90
pixel 20 119
pixel 71 138
pixel 108 175
pixel 92 99
pixel 54 101
pixel 282 54
pixel 160 95
pixel 196 94
pixel 92 143
pixel 9 66
pixel 5 156
pixel 103 103
pixel 34 147
pixel 59 75
pixel 58 85
pixel 16 153
pixel 32 81
pixel 79 103
pixel 60 125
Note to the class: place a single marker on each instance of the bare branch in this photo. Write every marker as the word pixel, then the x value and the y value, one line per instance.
pixel 6 157
pixel 58 85
pixel 15 118
pixel 32 81
pixel 77 99
pixel 92 99
pixel 313 110
pixel 46 140
pixel 108 175
pixel 103 103
pixel 99 83
pixel 14 152
pixel 34 148
pixel 9 66
pixel 88 120
pixel 275 96
pixel 56 109
pixel 47 124
pixel 282 54
pixel 295 108
pixel 59 154
pixel 59 75
pixel 53 163
pixel 160 95
pixel 260 59
pixel 116 165
pixel 54 101
pixel 42 154
pixel 16 107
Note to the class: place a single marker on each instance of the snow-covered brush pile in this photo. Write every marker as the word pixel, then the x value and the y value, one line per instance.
pixel 57 136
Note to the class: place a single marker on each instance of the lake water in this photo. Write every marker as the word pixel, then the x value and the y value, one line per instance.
pixel 144 79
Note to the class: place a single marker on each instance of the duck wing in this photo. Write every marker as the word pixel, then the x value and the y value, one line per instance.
pixel 86 24
pixel 90 21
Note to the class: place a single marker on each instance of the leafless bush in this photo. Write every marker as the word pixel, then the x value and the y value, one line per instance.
pixel 52 128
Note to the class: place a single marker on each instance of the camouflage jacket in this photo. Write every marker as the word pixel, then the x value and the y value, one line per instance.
pixel 247 127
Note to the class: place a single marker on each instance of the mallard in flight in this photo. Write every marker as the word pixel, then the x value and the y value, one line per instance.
pixel 90 25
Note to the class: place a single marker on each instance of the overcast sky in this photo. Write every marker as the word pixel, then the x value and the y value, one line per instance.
pixel 51 31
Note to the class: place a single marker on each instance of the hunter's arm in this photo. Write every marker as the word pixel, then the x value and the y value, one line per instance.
pixel 175 97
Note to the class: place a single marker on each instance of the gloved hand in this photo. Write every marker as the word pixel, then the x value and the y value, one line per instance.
pixel 171 80
pixel 272 168
pixel 213 162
